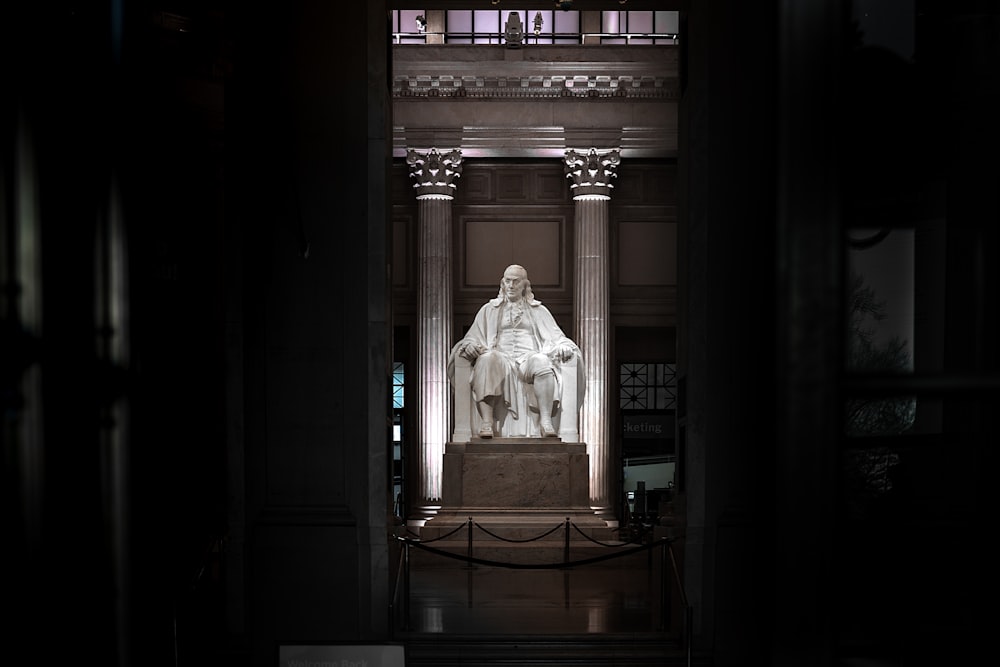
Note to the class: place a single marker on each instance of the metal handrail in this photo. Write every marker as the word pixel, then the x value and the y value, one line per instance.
pixel 402 575
pixel 215 545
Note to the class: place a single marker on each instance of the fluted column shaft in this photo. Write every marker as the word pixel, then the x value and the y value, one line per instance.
pixel 591 318
pixel 434 322
pixel 434 175
pixel 591 175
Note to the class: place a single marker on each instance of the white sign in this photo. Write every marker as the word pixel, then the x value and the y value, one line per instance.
pixel 341 655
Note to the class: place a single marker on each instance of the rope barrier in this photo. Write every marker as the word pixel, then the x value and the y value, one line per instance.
pixel 507 539
pixel 603 544
pixel 667 562
pixel 517 541
pixel 536 566
pixel 439 537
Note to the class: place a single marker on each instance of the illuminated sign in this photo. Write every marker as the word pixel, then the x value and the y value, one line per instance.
pixel 648 426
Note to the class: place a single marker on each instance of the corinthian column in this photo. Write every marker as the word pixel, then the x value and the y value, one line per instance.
pixel 590 176
pixel 433 174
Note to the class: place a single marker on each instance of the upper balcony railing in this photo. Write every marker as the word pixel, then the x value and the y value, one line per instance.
pixel 617 38
pixel 538 27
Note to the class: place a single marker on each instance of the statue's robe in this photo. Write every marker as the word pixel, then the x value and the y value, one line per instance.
pixel 518 398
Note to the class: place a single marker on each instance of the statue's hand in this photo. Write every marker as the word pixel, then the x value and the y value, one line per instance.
pixel 563 353
pixel 470 350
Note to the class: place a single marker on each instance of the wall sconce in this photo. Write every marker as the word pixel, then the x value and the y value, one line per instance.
pixel 421 23
pixel 538 23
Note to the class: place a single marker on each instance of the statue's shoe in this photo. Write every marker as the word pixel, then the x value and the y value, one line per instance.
pixel 486 430
pixel 548 430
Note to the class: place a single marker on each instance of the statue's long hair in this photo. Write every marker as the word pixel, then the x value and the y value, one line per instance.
pixel 527 294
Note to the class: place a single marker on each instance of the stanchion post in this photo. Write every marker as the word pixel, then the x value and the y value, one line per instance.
pixel 687 632
pixel 470 541
pixel 406 585
pixel 566 543
pixel 685 605
pixel 664 590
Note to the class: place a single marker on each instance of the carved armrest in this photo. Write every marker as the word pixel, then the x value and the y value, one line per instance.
pixel 463 400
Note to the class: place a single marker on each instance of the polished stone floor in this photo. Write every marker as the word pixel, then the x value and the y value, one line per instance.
pixel 611 613
pixel 607 598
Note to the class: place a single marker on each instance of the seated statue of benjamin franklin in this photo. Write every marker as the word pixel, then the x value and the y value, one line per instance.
pixel 518 353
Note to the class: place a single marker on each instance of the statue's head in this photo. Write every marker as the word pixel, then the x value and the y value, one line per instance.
pixel 515 284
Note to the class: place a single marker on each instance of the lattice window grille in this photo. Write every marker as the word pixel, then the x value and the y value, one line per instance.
pixel 398 376
pixel 647 386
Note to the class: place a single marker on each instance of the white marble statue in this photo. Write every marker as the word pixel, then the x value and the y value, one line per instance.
pixel 517 353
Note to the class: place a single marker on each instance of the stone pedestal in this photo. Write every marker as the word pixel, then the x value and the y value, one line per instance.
pixel 516 474
pixel 509 491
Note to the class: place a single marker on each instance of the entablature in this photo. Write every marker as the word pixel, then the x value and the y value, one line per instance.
pixel 537 101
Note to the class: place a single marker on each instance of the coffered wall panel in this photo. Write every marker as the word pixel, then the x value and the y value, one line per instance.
pixel 512 186
pixel 403 263
pixel 476 185
pixel 647 253
pixel 551 185
pixel 492 244
pixel 402 245
pixel 522 212
pixel 643 235
pixel 513 213
pixel 489 239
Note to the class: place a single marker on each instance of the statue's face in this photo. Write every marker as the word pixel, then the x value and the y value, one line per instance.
pixel 513 284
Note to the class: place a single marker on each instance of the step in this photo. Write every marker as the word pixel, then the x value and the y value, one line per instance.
pixel 542 553
pixel 579 651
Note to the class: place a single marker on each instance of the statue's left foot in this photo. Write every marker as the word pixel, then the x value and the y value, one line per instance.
pixel 548 430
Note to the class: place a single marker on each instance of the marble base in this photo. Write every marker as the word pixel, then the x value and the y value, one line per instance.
pixel 515 474
pixel 528 490
pixel 519 500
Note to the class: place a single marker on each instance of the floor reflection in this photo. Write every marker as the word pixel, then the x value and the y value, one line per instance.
pixel 604 599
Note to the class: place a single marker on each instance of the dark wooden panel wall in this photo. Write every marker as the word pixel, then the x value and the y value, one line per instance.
pixel 523 212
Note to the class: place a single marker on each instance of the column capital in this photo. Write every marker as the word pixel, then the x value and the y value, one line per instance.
pixel 591 172
pixel 434 172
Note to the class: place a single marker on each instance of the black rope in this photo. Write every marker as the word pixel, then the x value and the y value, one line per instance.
pixel 517 541
pixel 530 539
pixel 538 566
pixel 441 537
pixel 603 544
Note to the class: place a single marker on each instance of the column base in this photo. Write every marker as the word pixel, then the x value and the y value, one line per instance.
pixel 422 514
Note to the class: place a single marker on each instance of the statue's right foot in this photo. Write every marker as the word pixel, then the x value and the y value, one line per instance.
pixel 486 430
